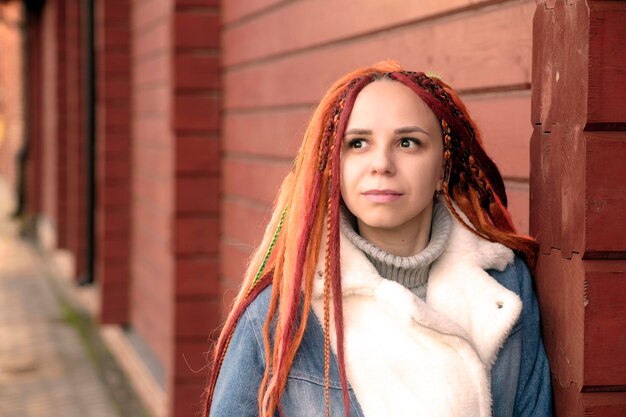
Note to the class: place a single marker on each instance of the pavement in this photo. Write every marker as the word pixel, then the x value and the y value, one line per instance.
pixel 51 362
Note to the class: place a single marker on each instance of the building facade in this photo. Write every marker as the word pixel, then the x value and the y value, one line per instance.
pixel 159 131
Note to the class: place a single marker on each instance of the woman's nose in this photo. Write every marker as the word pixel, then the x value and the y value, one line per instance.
pixel 382 162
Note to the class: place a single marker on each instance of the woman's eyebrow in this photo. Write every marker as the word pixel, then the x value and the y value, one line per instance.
pixel 400 130
pixel 410 129
pixel 358 132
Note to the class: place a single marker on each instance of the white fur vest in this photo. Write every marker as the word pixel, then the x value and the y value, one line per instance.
pixel 407 357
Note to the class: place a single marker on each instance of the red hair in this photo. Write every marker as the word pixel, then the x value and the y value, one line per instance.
pixel 309 197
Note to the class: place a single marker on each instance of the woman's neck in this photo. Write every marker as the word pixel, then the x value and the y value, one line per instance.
pixel 407 239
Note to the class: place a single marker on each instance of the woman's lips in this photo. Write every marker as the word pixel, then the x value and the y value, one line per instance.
pixel 382 196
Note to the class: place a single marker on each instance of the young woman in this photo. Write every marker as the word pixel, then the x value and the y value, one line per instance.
pixel 390 280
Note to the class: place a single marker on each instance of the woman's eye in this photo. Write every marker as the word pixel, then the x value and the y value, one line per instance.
pixel 409 142
pixel 356 143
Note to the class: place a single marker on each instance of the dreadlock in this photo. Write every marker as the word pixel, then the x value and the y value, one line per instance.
pixel 310 198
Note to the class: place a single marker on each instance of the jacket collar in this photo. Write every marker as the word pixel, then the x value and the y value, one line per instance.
pixel 462 298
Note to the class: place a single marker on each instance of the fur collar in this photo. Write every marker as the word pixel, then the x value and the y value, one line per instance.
pixel 466 309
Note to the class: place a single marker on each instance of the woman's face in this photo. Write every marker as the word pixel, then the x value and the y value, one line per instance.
pixel 391 157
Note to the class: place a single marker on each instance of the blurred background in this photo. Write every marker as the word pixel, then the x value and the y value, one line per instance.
pixel 142 143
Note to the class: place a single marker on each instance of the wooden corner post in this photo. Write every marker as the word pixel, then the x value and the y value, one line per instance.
pixel 578 200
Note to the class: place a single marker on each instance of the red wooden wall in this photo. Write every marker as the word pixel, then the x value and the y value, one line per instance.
pixel 578 197
pixel 279 57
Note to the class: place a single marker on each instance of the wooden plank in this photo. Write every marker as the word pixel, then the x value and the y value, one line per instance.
pixel 559 284
pixel 518 197
pixel 607 60
pixel 149 288
pixel 580 166
pixel 573 403
pixel 605 404
pixel 545 201
pixel 234 10
pixel 570 143
pixel 605 198
pixel 560 69
pixel 235 257
pixel 244 222
pixel 464 52
pixel 503 119
pixel 256 180
pixel 605 321
pixel 301 25
pixel 274 133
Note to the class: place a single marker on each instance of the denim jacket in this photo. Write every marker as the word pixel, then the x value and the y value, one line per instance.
pixel 498 363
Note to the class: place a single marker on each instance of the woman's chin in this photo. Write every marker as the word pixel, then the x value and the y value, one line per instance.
pixel 382 223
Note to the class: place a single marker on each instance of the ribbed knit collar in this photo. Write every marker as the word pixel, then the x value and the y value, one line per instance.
pixel 410 271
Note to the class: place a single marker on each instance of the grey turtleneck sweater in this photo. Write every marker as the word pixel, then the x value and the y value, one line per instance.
pixel 410 271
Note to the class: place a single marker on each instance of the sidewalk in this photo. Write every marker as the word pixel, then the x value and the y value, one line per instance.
pixel 45 367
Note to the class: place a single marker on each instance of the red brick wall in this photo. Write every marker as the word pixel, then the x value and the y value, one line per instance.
pixel 175 187
pixel 196 126
pixel 57 132
pixel 76 159
pixel 113 158
pixel 34 167
pixel 11 102
pixel 152 267
pixel 54 120
pixel 279 57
